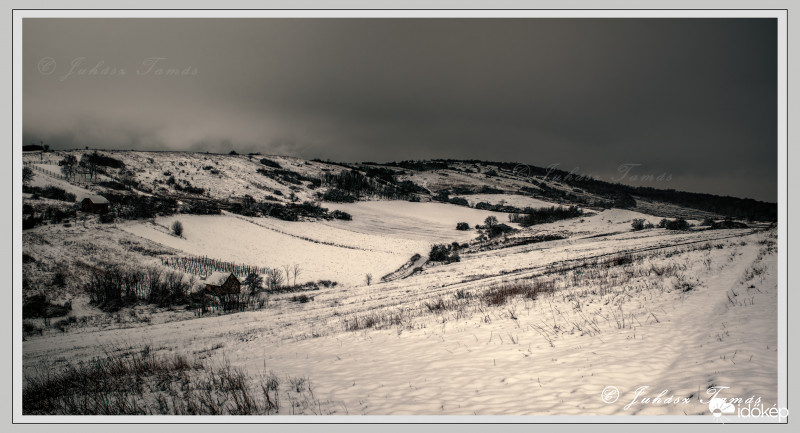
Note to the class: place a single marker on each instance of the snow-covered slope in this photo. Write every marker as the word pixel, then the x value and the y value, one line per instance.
pixel 539 321
pixel 621 326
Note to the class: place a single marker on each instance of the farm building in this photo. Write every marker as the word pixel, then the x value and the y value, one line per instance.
pixel 222 283
pixel 94 204
pixel 225 288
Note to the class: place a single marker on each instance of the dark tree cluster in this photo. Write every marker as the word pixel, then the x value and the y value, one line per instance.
pixel 498 207
pixel 341 215
pixel 200 207
pixel 27 175
pixel 380 173
pixel 112 287
pixel 35 148
pixel 421 165
pixel 360 185
pixel 336 195
pixel 727 224
pixel 287 176
pixel 270 163
pixel 248 206
pixel 676 224
pixel 500 229
pixel 624 201
pixel 544 215
pixel 51 192
pixel 99 160
pixel 443 253
pixel 38 305
pixel 459 201
pixel 134 206
pixel 187 187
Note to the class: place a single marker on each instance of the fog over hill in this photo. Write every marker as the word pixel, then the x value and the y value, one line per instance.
pixel 695 99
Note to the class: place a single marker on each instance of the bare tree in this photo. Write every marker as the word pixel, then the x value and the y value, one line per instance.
pixel 274 278
pixel 27 175
pixel 253 285
pixel 89 163
pixel 288 270
pixel 369 279
pixel 296 272
pixel 68 165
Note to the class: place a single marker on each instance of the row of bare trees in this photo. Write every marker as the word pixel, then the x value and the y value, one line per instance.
pixel 273 279
pixel 114 286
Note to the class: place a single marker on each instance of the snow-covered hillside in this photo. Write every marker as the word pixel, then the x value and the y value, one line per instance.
pixel 529 321
pixel 604 325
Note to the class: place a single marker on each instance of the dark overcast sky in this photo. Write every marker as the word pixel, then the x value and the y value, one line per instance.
pixel 692 98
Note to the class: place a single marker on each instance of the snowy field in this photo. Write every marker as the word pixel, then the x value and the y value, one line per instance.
pixel 431 222
pixel 628 325
pixel 382 236
pixel 42 180
pixel 519 326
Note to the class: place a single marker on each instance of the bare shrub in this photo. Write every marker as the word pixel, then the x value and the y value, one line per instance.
pixel 684 284
pixel 142 383
pixel 376 320
pixel 530 289
pixel 177 228
pixel 437 305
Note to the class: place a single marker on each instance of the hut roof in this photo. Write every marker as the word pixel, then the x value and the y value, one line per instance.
pixel 217 278
pixel 198 286
pixel 94 198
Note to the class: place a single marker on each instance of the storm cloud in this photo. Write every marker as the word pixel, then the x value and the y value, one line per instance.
pixel 692 98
